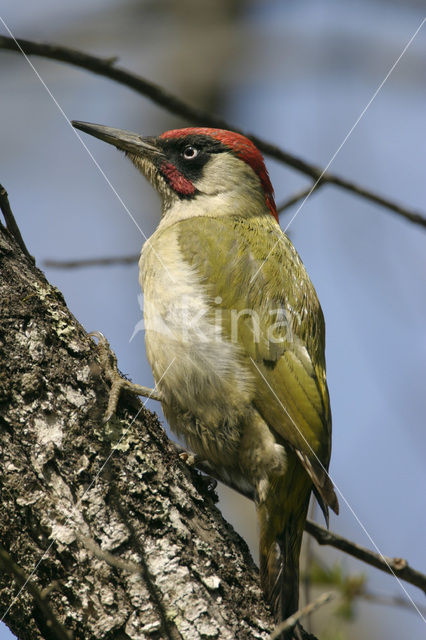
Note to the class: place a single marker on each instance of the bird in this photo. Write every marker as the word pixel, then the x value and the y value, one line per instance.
pixel 235 334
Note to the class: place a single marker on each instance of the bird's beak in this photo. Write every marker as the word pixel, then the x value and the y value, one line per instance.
pixel 124 140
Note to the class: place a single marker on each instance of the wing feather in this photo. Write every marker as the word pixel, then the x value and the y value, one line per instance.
pixel 267 300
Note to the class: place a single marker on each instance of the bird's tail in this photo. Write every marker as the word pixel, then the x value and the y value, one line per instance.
pixel 282 516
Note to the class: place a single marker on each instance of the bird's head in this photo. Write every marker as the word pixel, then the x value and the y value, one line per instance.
pixel 212 169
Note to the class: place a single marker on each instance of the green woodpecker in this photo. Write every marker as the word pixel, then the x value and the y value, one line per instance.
pixel 235 334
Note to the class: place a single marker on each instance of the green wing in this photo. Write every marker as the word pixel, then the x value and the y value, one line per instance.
pixel 267 302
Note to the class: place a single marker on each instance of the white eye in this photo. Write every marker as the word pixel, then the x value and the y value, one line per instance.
pixel 189 153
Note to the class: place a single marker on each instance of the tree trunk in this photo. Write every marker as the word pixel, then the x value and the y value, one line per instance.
pixel 118 537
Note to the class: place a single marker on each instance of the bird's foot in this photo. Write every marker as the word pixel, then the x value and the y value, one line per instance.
pixel 190 458
pixel 108 361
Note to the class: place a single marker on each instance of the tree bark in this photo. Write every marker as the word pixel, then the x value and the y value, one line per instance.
pixel 116 536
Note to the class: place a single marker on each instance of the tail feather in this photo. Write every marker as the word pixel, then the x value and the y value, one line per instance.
pixel 279 574
pixel 279 568
pixel 282 517
pixel 323 486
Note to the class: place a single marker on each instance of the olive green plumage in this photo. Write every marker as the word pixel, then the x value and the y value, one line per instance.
pixel 235 334
pixel 249 265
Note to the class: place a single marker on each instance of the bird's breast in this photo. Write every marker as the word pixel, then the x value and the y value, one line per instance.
pixel 194 365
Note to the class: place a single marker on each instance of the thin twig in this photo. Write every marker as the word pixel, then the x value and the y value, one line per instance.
pixel 390 601
pixel 91 262
pixel 298 196
pixel 11 225
pixel 56 630
pixel 288 624
pixel 106 68
pixel 395 566
pixel 351 587
pixel 108 261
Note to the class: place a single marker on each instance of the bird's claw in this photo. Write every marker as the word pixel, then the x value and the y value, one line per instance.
pixel 189 458
pixel 108 361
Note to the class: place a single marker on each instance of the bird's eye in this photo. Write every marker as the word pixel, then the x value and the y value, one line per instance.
pixel 189 153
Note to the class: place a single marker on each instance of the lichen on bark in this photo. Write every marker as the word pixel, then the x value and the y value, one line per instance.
pixel 119 535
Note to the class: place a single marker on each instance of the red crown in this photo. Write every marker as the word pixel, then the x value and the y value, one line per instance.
pixel 242 147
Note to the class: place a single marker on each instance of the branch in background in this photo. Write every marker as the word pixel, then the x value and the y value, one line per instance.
pixel 130 259
pixel 395 566
pixel 299 195
pixel 56 630
pixel 92 262
pixel 11 225
pixel 108 261
pixel 104 67
pixel 351 587
pixel 390 601
pixel 294 619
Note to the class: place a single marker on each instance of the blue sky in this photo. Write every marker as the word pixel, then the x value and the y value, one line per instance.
pixel 299 74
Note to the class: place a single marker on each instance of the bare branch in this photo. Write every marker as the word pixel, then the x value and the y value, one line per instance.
pixel 105 67
pixel 298 196
pixel 91 262
pixel 352 586
pixel 11 225
pixel 294 619
pixel 395 566
pixel 391 601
